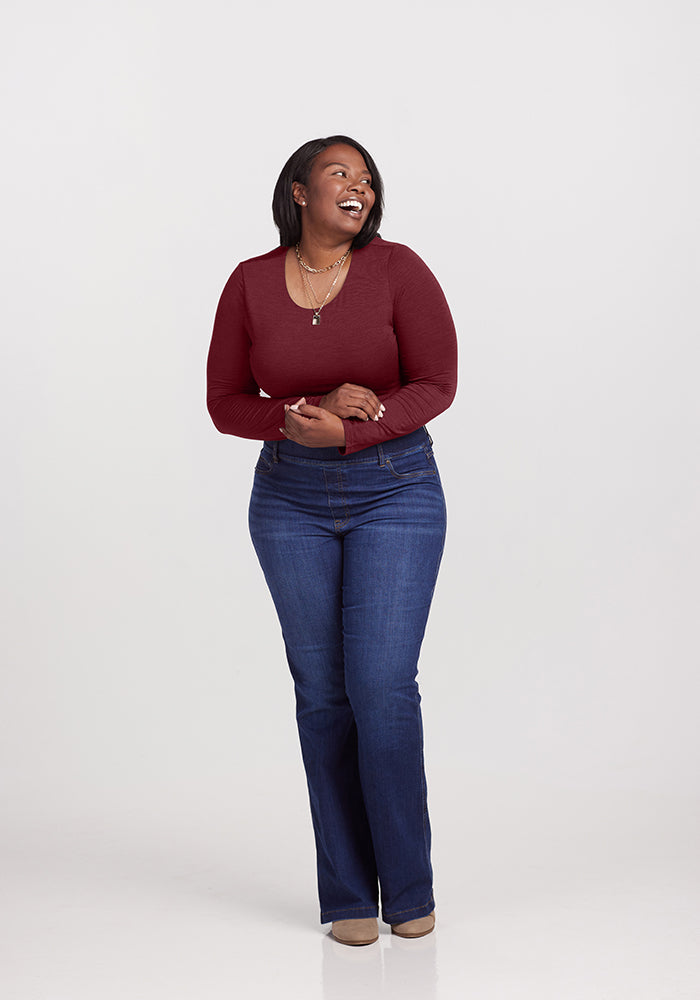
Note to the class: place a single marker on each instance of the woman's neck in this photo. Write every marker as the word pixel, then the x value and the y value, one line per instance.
pixel 320 253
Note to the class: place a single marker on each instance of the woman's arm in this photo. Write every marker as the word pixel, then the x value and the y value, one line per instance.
pixel 233 396
pixel 427 344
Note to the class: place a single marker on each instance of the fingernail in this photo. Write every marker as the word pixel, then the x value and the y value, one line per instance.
pixel 286 407
pixel 376 418
pixel 295 407
pixel 281 430
pixel 382 407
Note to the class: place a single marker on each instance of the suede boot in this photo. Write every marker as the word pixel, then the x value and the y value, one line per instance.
pixel 356 932
pixel 415 928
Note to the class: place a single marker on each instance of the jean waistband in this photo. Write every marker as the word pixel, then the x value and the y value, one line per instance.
pixel 374 453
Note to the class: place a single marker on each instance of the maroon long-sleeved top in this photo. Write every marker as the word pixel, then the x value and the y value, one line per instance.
pixel 389 329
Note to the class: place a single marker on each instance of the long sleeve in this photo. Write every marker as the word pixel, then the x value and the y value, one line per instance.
pixel 233 396
pixel 427 345
pixel 389 328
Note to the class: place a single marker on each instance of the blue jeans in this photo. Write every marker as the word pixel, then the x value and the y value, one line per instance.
pixel 350 547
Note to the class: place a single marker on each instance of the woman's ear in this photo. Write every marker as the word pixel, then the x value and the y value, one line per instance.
pixel 299 193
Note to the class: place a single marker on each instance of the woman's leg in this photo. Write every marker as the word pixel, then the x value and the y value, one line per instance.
pixel 302 558
pixel 391 558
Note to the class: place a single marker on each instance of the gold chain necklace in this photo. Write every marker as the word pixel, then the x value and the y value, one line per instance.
pixel 320 270
pixel 310 294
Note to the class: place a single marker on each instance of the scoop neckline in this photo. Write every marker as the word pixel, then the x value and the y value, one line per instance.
pixel 309 309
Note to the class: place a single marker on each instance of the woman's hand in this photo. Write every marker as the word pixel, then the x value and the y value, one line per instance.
pixel 350 400
pixel 312 426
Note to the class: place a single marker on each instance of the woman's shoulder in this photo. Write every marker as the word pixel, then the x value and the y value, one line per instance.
pixel 399 259
pixel 260 260
pixel 260 273
pixel 387 248
pixel 263 267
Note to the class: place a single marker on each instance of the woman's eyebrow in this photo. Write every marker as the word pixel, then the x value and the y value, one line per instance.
pixel 333 163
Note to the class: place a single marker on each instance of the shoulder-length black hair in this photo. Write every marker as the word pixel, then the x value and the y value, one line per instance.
pixel 286 212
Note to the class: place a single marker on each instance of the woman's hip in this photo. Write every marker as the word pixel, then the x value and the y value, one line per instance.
pixel 397 481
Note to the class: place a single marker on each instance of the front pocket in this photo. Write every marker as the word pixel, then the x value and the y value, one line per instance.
pixel 264 466
pixel 411 466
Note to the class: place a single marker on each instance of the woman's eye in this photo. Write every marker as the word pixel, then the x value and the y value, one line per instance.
pixel 365 180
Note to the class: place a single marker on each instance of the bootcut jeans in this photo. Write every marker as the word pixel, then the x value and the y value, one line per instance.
pixel 350 547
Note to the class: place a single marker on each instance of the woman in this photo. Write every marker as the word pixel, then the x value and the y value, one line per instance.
pixel 352 340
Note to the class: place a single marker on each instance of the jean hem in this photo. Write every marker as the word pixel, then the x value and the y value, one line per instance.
pixel 412 914
pixel 349 913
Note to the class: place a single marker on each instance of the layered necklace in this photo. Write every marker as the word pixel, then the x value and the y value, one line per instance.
pixel 306 281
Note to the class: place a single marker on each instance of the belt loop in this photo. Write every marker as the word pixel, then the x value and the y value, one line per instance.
pixel 429 437
pixel 275 450
pixel 380 453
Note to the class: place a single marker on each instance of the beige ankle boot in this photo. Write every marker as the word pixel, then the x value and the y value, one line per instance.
pixel 415 928
pixel 356 932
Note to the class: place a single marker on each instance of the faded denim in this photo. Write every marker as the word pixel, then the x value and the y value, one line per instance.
pixel 350 547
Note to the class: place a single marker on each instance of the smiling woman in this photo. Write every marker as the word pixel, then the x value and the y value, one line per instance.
pixel 298 169
pixel 336 199
pixel 352 340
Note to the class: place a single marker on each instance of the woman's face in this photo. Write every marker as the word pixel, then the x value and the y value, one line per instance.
pixel 338 195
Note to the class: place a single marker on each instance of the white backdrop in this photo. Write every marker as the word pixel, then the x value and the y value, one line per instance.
pixel 543 159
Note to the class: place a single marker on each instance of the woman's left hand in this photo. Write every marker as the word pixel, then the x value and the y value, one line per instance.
pixel 313 427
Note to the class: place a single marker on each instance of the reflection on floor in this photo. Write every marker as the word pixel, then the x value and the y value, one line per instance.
pixel 542 894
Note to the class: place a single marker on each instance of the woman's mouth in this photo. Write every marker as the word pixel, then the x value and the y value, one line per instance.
pixel 352 207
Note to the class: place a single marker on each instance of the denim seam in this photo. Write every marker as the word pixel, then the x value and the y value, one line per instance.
pixel 325 463
pixel 378 458
pixel 337 523
pixel 412 909
pixel 344 909
pixel 424 791
pixel 341 524
pixel 409 475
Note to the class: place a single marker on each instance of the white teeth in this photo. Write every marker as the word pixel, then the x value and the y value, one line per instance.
pixel 351 204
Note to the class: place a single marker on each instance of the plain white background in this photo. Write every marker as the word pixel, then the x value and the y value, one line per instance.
pixel 543 159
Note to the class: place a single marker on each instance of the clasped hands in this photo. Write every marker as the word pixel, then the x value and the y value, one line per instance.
pixel 322 426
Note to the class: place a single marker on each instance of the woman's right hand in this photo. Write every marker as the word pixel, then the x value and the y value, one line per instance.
pixel 350 400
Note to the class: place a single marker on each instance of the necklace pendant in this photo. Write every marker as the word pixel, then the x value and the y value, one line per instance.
pixel 315 320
